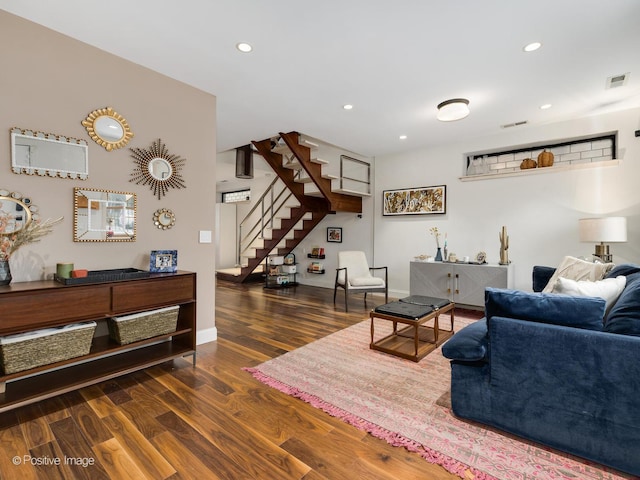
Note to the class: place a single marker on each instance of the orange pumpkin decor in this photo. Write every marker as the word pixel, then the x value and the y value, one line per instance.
pixel 528 163
pixel 545 159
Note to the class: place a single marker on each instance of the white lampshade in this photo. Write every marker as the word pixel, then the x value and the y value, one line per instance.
pixel 454 109
pixel 604 230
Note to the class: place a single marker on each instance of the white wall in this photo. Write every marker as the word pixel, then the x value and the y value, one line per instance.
pixel 540 212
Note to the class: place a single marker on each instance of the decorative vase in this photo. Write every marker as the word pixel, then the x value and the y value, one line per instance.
pixel 5 272
pixel 439 255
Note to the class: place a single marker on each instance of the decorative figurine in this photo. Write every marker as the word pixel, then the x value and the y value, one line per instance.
pixel 504 247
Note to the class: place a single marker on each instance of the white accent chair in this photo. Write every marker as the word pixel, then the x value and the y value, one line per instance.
pixel 354 276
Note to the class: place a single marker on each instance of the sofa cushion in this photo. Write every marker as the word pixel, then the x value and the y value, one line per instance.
pixel 624 269
pixel 624 316
pixel 576 269
pixel 609 288
pixel 558 309
pixel 469 344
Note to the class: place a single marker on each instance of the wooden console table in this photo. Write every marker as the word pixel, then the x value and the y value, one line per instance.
pixel 31 306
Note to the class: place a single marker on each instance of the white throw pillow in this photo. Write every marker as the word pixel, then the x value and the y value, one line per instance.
pixel 609 288
pixel 576 269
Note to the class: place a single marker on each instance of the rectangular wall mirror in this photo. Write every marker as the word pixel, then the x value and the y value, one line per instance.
pixel 37 153
pixel 103 216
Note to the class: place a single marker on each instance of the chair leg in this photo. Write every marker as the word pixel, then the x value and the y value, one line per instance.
pixel 335 291
pixel 346 301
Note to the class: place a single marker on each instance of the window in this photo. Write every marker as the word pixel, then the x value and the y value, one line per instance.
pixel 237 196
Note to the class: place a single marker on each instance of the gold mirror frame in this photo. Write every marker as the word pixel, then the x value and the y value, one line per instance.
pixel 39 153
pixel 11 221
pixel 143 173
pixel 164 219
pixel 103 215
pixel 90 124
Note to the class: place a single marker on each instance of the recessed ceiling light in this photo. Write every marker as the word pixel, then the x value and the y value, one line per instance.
pixel 244 47
pixel 348 106
pixel 545 106
pixel 532 47
pixel 403 137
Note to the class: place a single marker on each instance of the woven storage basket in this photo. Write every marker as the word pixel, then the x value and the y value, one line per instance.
pixel 42 347
pixel 139 326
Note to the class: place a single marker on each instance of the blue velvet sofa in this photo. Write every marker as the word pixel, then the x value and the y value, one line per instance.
pixel 554 369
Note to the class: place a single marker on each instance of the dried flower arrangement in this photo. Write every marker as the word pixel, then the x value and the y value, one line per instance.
pixel 33 232
pixel 436 233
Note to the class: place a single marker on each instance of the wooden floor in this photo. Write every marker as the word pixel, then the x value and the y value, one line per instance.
pixel 213 421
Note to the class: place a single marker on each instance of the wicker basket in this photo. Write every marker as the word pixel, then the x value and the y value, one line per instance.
pixel 139 326
pixel 41 347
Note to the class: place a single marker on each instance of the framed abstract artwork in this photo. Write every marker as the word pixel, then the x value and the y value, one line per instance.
pixel 415 201
pixel 334 234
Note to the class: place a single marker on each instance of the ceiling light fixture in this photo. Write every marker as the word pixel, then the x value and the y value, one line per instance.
pixel 532 47
pixel 403 137
pixel 546 106
pixel 244 47
pixel 454 109
pixel 347 106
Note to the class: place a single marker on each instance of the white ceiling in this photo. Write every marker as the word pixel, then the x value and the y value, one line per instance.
pixel 393 60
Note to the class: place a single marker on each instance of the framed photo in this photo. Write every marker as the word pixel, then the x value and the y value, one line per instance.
pixel 334 234
pixel 415 201
pixel 165 261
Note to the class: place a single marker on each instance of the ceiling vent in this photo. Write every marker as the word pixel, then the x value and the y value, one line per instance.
pixel 617 80
pixel 514 124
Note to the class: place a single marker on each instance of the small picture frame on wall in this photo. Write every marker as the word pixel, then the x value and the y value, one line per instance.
pixel 415 201
pixel 334 234
pixel 163 261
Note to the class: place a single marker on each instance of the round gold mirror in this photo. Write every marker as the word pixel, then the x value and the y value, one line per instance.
pixel 108 128
pixel 164 219
pixel 157 168
pixel 15 212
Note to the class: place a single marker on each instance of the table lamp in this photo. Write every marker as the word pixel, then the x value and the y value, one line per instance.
pixel 602 231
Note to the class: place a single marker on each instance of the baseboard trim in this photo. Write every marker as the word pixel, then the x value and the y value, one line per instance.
pixel 207 335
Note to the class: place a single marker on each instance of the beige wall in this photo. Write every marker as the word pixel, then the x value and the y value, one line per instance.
pixel 49 83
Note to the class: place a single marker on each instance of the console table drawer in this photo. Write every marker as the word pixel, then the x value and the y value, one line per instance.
pixel 53 306
pixel 139 294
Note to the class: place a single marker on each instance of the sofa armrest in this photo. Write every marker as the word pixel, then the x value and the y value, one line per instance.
pixel 541 276
pixel 469 344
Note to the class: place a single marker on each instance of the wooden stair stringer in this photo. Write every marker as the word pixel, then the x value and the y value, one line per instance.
pixel 287 175
pixel 338 202
pixel 287 224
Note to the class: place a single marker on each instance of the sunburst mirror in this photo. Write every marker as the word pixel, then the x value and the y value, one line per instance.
pixel 157 168
pixel 108 128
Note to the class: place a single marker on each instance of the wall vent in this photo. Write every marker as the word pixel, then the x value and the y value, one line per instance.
pixel 514 124
pixel 617 80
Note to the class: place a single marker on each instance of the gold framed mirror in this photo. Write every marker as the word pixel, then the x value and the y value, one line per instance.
pixel 157 168
pixel 164 219
pixel 16 212
pixel 108 128
pixel 39 153
pixel 103 215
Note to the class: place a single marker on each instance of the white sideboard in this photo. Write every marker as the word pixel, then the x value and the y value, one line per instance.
pixel 462 283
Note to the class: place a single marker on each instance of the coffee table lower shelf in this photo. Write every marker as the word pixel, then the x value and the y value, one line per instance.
pixel 416 340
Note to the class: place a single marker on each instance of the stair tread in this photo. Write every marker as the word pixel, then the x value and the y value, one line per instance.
pixel 319 161
pixel 329 176
pixel 304 180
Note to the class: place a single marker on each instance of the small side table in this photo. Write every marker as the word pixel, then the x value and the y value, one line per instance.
pixel 416 340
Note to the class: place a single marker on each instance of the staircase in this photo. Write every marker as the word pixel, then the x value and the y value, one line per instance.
pixel 285 214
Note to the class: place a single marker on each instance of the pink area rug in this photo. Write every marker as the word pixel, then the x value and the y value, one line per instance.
pixel 406 404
